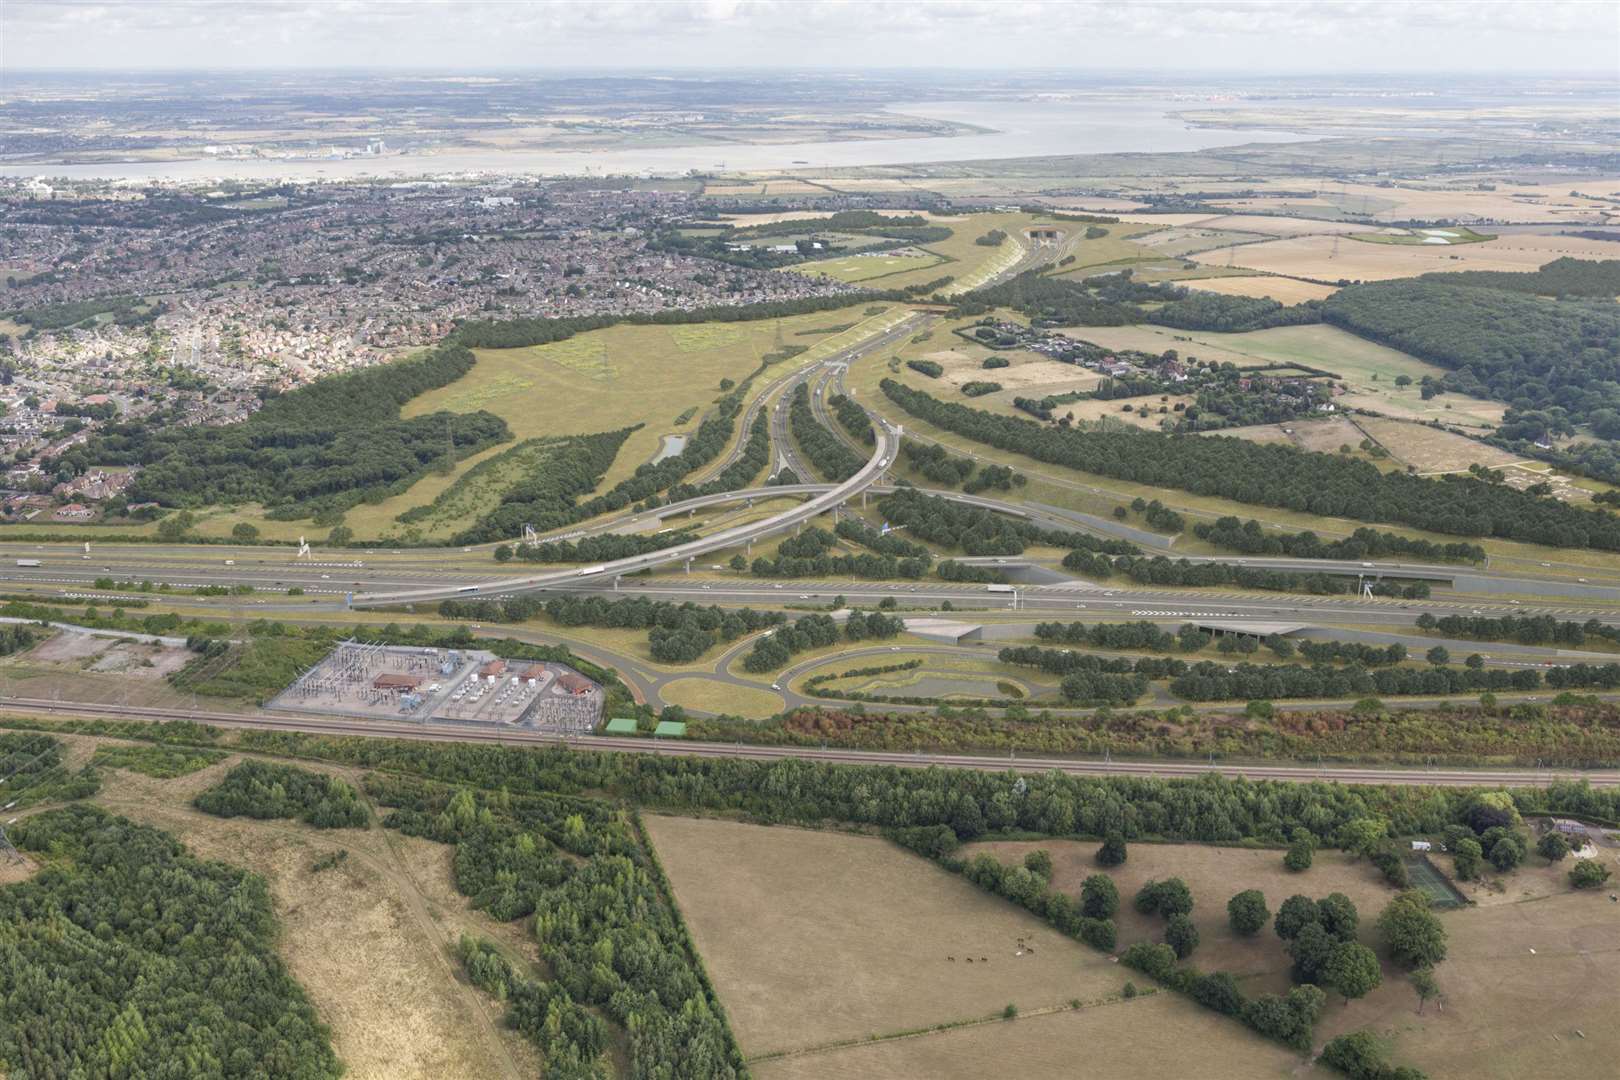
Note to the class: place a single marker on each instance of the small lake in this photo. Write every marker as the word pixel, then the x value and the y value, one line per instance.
pixel 673 444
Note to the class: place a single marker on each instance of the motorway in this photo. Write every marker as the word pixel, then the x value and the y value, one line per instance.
pixel 1171 769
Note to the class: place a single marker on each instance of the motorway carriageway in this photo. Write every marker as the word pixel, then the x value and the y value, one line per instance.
pixel 1350 774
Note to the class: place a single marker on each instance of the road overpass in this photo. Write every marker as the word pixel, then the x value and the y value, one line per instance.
pixel 888 442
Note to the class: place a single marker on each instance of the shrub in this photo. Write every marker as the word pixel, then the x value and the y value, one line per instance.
pixel 1588 874
pixel 1247 912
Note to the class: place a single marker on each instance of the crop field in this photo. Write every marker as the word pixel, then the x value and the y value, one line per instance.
pixel 1281 289
pixel 1315 257
pixel 1284 226
pixel 814 938
pixel 1432 451
pixel 1142 1039
pixel 1214 874
pixel 599 381
pixel 1182 240
pixel 367 939
pixel 875 266
pixel 1457 234
pixel 1029 373
pixel 1510 201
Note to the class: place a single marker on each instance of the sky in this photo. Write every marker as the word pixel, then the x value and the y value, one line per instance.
pixel 1507 37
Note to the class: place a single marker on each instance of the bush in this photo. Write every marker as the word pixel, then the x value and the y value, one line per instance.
pixel 1588 874
pixel 1112 852
pixel 1168 898
pixel 1181 935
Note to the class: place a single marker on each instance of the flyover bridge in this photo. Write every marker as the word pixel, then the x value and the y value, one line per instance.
pixel 883 453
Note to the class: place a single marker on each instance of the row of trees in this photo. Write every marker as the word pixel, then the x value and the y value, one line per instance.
pixel 557 473
pixel 976 531
pixel 1524 629
pixel 1208 681
pixel 829 454
pixel 1327 485
pixel 853 417
pixel 128 956
pixel 1249 538
pixel 1162 570
pixel 808 555
pixel 602 548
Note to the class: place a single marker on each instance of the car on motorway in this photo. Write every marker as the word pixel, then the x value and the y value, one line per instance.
pixel 804 596
pixel 776 586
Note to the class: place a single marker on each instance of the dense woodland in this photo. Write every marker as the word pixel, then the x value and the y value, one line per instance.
pixel 545 497
pixel 607 929
pixel 1326 485
pixel 35 771
pixel 776 648
pixel 1535 354
pixel 127 956
pixel 324 446
pixel 256 789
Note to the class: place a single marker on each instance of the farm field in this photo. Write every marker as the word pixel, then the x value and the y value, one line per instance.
pixel 813 938
pixel 1520 993
pixel 1281 289
pixel 1025 371
pixel 1510 201
pixel 1431 451
pixel 1321 436
pixel 368 940
pixel 1214 874
pixel 1283 226
pixel 1156 1036
pixel 1314 256
pixel 876 266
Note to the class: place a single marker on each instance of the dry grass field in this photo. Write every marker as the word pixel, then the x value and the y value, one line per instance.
pixel 368 940
pixel 1527 989
pixel 1432 451
pixel 719 696
pixel 1283 226
pixel 1281 289
pixel 1314 256
pixel 877 265
pixel 1509 201
pixel 814 938
pixel 1161 1036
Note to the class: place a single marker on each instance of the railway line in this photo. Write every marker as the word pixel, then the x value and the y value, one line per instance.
pixel 1162 769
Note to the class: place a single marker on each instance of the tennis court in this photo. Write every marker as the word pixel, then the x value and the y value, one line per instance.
pixel 1427 878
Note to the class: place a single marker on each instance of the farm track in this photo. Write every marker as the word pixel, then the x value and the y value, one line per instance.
pixel 1356 774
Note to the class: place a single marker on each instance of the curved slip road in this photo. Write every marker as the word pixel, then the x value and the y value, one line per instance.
pixel 888 441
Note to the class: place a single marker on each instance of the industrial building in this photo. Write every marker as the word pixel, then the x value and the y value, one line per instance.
pixel 467 686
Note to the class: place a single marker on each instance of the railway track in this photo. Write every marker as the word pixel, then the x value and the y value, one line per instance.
pixel 1446 777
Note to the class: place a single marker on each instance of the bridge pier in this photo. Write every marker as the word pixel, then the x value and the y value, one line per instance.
pixel 616 582
pixel 689 565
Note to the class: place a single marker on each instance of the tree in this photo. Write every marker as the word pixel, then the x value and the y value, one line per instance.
pixel 1467 859
pixel 1411 932
pixel 503 553
pixel 1310 950
pixel 1423 982
pixel 1552 846
pixel 1112 852
pixel 1489 809
pixel 1362 835
pixel 1301 850
pixel 1099 897
pixel 244 532
pixel 1588 874
pixel 1039 863
pixel 340 536
pixel 1296 913
pixel 1181 935
pixel 1338 916
pixel 1507 848
pixel 1168 898
pixel 738 562
pixel 1247 912
pixel 1353 970
pixel 1439 656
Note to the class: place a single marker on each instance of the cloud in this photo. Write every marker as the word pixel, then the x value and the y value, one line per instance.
pixel 1184 35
